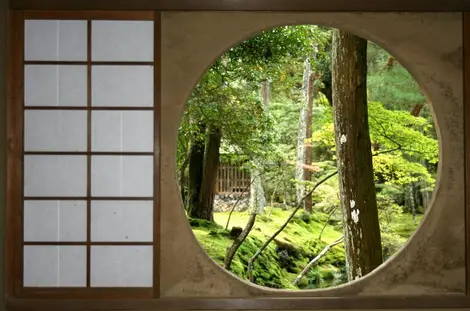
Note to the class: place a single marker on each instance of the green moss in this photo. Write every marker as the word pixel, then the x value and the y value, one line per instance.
pixel 201 223
pixel 292 250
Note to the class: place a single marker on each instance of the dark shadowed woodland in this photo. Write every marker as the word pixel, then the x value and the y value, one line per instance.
pixel 306 157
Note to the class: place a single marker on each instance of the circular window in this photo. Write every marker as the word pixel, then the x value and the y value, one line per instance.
pixel 306 157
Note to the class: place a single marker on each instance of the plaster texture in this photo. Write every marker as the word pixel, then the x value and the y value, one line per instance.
pixel 428 44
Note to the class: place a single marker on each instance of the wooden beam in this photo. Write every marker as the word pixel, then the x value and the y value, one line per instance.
pixel 169 304
pixel 247 5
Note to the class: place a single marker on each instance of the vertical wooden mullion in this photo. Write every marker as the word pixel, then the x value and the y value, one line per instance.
pixel 466 94
pixel 15 119
pixel 89 137
pixel 156 158
pixel 20 73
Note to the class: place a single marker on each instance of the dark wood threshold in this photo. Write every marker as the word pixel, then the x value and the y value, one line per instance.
pixel 248 5
pixel 331 303
pixel 84 293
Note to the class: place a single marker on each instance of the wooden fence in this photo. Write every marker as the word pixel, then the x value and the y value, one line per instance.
pixel 231 178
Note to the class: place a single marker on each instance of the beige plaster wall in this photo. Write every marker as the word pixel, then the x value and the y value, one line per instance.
pixel 3 21
pixel 429 45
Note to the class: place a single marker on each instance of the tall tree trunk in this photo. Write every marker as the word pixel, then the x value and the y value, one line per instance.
pixel 354 156
pixel 211 166
pixel 183 185
pixel 416 110
pixel 411 201
pixel 195 173
pixel 257 197
pixel 308 147
pixel 300 157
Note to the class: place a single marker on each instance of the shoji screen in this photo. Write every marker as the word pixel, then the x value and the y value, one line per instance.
pixel 89 154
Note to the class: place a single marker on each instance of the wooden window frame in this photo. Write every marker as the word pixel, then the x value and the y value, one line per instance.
pixel 16 153
pixel 68 300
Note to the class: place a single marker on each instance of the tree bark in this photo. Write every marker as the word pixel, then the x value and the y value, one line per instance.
pixel 258 200
pixel 354 157
pixel 211 165
pixel 411 201
pixel 300 157
pixel 417 109
pixel 183 186
pixel 232 250
pixel 308 132
pixel 195 173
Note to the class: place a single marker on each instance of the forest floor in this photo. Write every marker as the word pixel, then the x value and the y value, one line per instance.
pixel 291 251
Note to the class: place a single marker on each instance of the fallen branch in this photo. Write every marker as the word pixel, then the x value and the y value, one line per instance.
pixel 232 250
pixel 314 260
pixel 299 205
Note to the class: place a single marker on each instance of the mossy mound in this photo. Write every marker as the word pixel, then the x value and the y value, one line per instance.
pixel 292 250
pixel 284 258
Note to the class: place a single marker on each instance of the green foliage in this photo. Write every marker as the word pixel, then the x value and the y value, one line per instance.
pixel 390 84
pixel 405 151
pixel 393 129
pixel 396 136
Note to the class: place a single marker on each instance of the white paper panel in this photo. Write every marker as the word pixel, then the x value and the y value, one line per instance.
pixel 56 40
pixel 47 221
pixel 122 131
pixel 59 176
pixel 55 130
pixel 127 176
pixel 122 40
pixel 122 221
pixel 121 266
pixel 122 86
pixel 54 266
pixel 55 85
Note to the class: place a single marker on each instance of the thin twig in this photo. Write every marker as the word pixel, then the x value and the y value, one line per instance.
pixel 238 200
pixel 326 222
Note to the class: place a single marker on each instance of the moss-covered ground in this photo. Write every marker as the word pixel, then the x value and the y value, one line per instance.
pixel 300 242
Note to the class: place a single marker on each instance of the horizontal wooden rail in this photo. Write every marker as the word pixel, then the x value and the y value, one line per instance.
pixel 168 304
pixel 247 5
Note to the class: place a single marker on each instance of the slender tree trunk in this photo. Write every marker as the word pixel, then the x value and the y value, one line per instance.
pixel 354 157
pixel 424 193
pixel 285 190
pixel 211 165
pixel 183 185
pixel 257 197
pixel 308 130
pixel 195 173
pixel 300 158
pixel 232 250
pixel 411 201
